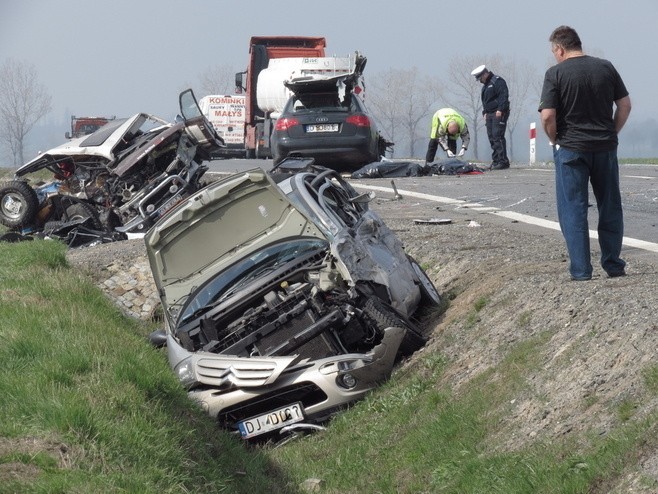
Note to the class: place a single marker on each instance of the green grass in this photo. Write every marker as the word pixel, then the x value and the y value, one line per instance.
pixel 638 161
pixel 415 435
pixel 651 378
pixel 473 316
pixel 80 377
pixel 89 406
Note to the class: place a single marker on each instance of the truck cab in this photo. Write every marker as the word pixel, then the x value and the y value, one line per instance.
pixel 82 126
pixel 262 49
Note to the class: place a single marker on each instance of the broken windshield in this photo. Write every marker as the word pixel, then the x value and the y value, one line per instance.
pixel 325 102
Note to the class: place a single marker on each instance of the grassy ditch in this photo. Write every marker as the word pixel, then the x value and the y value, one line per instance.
pixel 89 406
pixel 413 435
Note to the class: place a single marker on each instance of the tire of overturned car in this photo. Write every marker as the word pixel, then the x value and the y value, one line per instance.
pixel 78 211
pixel 385 317
pixel 429 295
pixel 18 204
pixel 82 211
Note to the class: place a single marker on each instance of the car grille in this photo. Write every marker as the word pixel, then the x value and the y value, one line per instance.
pixel 307 393
pixel 241 372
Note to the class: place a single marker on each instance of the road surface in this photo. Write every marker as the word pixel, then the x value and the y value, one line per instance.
pixel 522 196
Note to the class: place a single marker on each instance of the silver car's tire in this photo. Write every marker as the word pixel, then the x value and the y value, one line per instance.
pixel 18 204
pixel 429 295
pixel 385 316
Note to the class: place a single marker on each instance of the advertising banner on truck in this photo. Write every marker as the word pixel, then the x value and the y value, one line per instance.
pixel 227 114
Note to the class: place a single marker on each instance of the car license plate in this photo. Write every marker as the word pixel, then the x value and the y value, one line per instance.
pixel 169 204
pixel 322 128
pixel 271 421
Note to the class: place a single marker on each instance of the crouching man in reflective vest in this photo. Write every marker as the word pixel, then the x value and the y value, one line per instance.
pixel 447 126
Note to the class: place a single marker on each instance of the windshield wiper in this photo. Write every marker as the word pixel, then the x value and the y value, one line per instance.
pixel 228 293
pixel 197 313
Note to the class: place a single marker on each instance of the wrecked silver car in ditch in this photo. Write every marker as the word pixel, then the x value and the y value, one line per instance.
pixel 116 181
pixel 285 298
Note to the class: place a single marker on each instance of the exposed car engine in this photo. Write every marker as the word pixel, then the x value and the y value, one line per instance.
pixel 306 311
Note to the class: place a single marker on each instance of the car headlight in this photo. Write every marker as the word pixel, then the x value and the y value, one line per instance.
pixel 185 372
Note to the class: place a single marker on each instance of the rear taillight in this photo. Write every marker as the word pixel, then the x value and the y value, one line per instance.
pixel 358 120
pixel 285 123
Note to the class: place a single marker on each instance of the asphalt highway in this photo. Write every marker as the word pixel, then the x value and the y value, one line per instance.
pixel 522 196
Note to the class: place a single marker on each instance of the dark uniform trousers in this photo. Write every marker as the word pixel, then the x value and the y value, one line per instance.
pixel 496 128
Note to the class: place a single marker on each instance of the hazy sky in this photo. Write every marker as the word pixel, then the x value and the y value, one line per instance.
pixel 120 57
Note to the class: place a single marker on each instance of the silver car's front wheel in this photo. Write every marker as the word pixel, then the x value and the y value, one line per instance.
pixel 385 316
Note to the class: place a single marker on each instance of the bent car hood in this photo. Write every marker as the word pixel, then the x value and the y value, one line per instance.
pixel 220 224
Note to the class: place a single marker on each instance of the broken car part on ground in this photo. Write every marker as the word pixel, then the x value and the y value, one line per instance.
pixel 285 297
pixel 112 183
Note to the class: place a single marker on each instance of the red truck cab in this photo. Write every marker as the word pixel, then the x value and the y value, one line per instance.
pixel 258 124
pixel 81 126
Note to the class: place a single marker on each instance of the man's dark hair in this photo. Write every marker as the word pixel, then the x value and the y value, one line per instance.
pixel 566 37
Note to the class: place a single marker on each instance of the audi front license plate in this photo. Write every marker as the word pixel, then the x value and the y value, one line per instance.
pixel 322 128
pixel 271 421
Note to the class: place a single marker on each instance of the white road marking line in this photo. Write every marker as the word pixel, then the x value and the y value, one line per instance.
pixel 523 218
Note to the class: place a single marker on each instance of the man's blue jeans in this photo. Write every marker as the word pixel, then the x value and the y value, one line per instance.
pixel 574 170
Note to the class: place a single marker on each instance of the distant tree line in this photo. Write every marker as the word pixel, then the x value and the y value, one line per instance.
pixel 401 100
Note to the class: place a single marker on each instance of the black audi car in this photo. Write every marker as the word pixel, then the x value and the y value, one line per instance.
pixel 327 120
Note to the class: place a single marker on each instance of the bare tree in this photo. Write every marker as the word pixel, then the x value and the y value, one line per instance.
pixel 464 94
pixel 521 79
pixel 219 79
pixel 384 103
pixel 400 100
pixel 23 102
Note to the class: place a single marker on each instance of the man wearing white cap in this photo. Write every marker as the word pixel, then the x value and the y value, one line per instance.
pixel 495 109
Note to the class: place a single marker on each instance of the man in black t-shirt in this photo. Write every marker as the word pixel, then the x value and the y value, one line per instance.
pixel 577 115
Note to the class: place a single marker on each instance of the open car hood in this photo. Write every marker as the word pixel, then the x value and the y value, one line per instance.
pixel 320 83
pixel 216 227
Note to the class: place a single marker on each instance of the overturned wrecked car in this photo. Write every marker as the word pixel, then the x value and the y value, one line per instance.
pixel 112 183
pixel 285 298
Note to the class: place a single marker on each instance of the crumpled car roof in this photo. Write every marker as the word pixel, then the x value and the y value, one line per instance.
pixel 104 143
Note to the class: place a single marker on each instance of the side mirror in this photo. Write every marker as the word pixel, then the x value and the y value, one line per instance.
pixel 239 83
pixel 158 338
pixel 67 135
